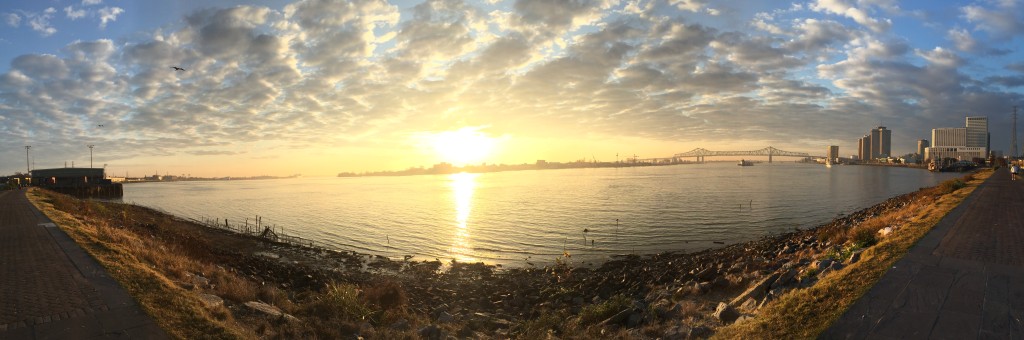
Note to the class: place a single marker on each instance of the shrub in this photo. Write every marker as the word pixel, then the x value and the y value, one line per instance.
pixel 545 326
pixel 341 300
pixel 593 314
pixel 233 288
pixel 385 294
pixel 863 236
pixel 952 185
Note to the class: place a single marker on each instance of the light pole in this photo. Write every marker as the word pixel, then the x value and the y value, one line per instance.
pixel 27 169
pixel 90 154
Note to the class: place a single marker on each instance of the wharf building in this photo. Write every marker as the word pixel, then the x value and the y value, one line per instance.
pixel 966 143
pixel 80 182
pixel 874 145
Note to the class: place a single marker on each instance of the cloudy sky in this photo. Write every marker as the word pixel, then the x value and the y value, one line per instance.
pixel 319 87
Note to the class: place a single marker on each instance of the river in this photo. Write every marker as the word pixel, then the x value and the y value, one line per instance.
pixel 511 218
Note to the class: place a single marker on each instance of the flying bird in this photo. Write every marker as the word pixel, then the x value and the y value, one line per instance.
pixel 177 68
pixel 101 125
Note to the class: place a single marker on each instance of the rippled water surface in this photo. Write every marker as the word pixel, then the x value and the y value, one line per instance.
pixel 511 216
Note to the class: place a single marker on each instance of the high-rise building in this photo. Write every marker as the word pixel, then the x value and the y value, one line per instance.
pixel 966 143
pixel 881 142
pixel 977 132
pixel 833 152
pixel 949 137
pixel 921 144
pixel 864 148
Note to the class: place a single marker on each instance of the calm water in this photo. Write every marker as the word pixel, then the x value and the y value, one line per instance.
pixel 508 217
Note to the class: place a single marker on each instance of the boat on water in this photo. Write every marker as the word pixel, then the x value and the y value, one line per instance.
pixel 744 162
pixel 951 165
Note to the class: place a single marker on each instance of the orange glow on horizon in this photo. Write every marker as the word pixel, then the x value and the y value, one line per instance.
pixel 461 147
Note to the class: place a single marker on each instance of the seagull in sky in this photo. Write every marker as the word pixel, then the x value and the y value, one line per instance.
pixel 101 125
pixel 177 68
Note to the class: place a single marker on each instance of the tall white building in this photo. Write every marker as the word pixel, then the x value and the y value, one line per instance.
pixel 964 143
pixel 949 137
pixel 977 132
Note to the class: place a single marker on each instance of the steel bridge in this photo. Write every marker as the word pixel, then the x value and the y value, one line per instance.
pixel 700 153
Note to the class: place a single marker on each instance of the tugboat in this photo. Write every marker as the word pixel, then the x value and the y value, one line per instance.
pixel 744 162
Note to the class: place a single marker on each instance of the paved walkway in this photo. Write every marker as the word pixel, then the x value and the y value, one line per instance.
pixel 963 280
pixel 51 289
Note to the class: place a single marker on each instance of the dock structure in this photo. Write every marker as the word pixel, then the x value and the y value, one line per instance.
pixel 78 182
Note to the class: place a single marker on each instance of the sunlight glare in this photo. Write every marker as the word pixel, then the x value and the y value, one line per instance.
pixel 465 146
pixel 463 185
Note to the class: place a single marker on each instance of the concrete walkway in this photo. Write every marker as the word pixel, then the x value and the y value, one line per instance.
pixel 963 280
pixel 51 289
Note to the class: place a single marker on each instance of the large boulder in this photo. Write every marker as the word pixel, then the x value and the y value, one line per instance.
pixel 210 300
pixel 269 310
pixel 619 318
pixel 725 313
pixel 855 256
pixel 785 278
pixel 756 291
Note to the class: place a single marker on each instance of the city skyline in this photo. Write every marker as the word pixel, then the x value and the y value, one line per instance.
pixel 318 87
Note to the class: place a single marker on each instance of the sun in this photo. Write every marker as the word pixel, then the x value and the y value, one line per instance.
pixel 461 147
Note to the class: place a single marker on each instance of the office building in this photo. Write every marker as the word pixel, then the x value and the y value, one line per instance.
pixel 949 137
pixel 966 143
pixel 977 132
pixel 864 148
pixel 833 153
pixel 962 153
pixel 921 144
pixel 881 143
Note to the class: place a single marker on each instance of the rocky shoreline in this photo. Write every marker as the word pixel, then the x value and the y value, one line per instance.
pixel 256 287
pixel 650 294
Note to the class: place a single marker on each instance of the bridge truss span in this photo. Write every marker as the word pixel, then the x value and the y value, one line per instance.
pixel 700 153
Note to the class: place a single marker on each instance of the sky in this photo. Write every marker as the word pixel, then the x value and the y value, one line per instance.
pixel 321 87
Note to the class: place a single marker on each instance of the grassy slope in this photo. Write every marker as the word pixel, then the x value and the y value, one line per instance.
pixel 129 258
pixel 807 312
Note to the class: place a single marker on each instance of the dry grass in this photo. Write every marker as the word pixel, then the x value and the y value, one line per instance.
pixel 143 266
pixel 158 259
pixel 805 313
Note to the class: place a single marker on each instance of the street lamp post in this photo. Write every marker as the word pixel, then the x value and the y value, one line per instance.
pixel 27 169
pixel 90 154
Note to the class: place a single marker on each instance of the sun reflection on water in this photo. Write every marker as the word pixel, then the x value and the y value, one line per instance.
pixel 463 185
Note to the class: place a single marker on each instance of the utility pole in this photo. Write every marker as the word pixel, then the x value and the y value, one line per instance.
pixel 27 168
pixel 1013 146
pixel 90 154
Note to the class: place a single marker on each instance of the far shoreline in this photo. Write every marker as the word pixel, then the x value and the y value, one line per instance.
pixel 591 259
